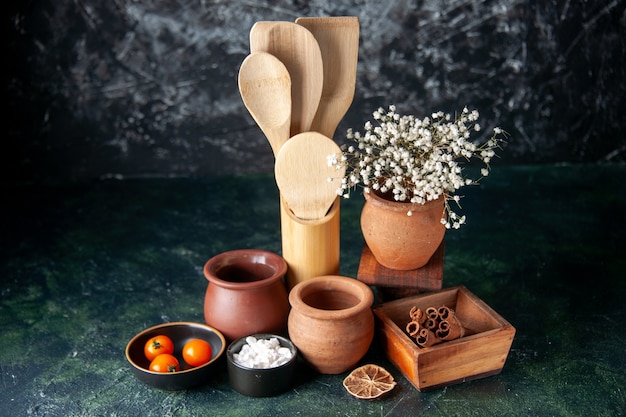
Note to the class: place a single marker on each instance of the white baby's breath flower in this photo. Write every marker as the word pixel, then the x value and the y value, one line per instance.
pixel 417 160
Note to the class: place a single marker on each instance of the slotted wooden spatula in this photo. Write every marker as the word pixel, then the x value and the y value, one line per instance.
pixel 338 38
pixel 297 48
pixel 302 174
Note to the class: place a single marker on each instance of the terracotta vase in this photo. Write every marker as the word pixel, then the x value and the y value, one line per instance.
pixel 399 241
pixel 331 322
pixel 246 293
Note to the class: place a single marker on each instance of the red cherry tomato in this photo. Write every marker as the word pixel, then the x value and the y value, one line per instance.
pixel 197 352
pixel 158 345
pixel 165 362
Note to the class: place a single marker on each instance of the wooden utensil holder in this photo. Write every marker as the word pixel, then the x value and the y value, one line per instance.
pixel 310 247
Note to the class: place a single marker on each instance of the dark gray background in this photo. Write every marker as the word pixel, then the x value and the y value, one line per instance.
pixel 126 88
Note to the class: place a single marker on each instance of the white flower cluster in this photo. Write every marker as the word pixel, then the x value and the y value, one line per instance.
pixel 262 353
pixel 415 160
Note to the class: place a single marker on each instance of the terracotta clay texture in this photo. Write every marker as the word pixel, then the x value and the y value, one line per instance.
pixel 331 322
pixel 246 293
pixel 397 240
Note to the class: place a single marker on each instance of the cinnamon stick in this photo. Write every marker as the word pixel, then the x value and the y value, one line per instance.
pixel 434 325
pixel 427 338
pixel 417 315
pixel 413 328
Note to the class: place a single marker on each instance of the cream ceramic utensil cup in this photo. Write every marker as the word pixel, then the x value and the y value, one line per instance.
pixel 265 87
pixel 298 50
pixel 302 174
pixel 338 39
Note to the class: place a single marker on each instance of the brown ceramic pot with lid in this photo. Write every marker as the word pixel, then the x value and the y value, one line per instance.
pixel 331 322
pixel 246 293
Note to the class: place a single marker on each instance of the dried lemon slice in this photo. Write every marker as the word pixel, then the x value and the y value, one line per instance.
pixel 368 382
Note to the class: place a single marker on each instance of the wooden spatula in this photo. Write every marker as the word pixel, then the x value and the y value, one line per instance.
pixel 265 87
pixel 302 174
pixel 338 38
pixel 295 47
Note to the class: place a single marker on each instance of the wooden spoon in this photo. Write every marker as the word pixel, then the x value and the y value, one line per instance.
pixel 338 38
pixel 265 87
pixel 295 47
pixel 302 174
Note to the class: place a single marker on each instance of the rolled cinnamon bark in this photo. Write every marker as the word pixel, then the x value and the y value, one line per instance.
pixel 434 325
pixel 444 312
pixel 451 328
pixel 413 328
pixel 417 315
pixel 431 324
pixel 426 338
pixel 432 313
pixel 442 334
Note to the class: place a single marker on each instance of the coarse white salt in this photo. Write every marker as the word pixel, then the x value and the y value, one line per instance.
pixel 262 353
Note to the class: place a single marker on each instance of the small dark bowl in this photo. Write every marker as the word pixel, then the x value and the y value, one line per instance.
pixel 180 333
pixel 266 382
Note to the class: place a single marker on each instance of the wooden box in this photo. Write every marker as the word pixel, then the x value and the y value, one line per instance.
pixel 481 352
pixel 392 284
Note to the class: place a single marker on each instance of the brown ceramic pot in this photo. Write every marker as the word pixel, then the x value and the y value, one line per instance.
pixel 331 322
pixel 246 293
pixel 399 241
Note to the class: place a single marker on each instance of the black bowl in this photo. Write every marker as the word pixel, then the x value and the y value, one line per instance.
pixel 180 333
pixel 265 382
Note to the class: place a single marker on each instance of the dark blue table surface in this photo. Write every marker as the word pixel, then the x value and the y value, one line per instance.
pixel 83 267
